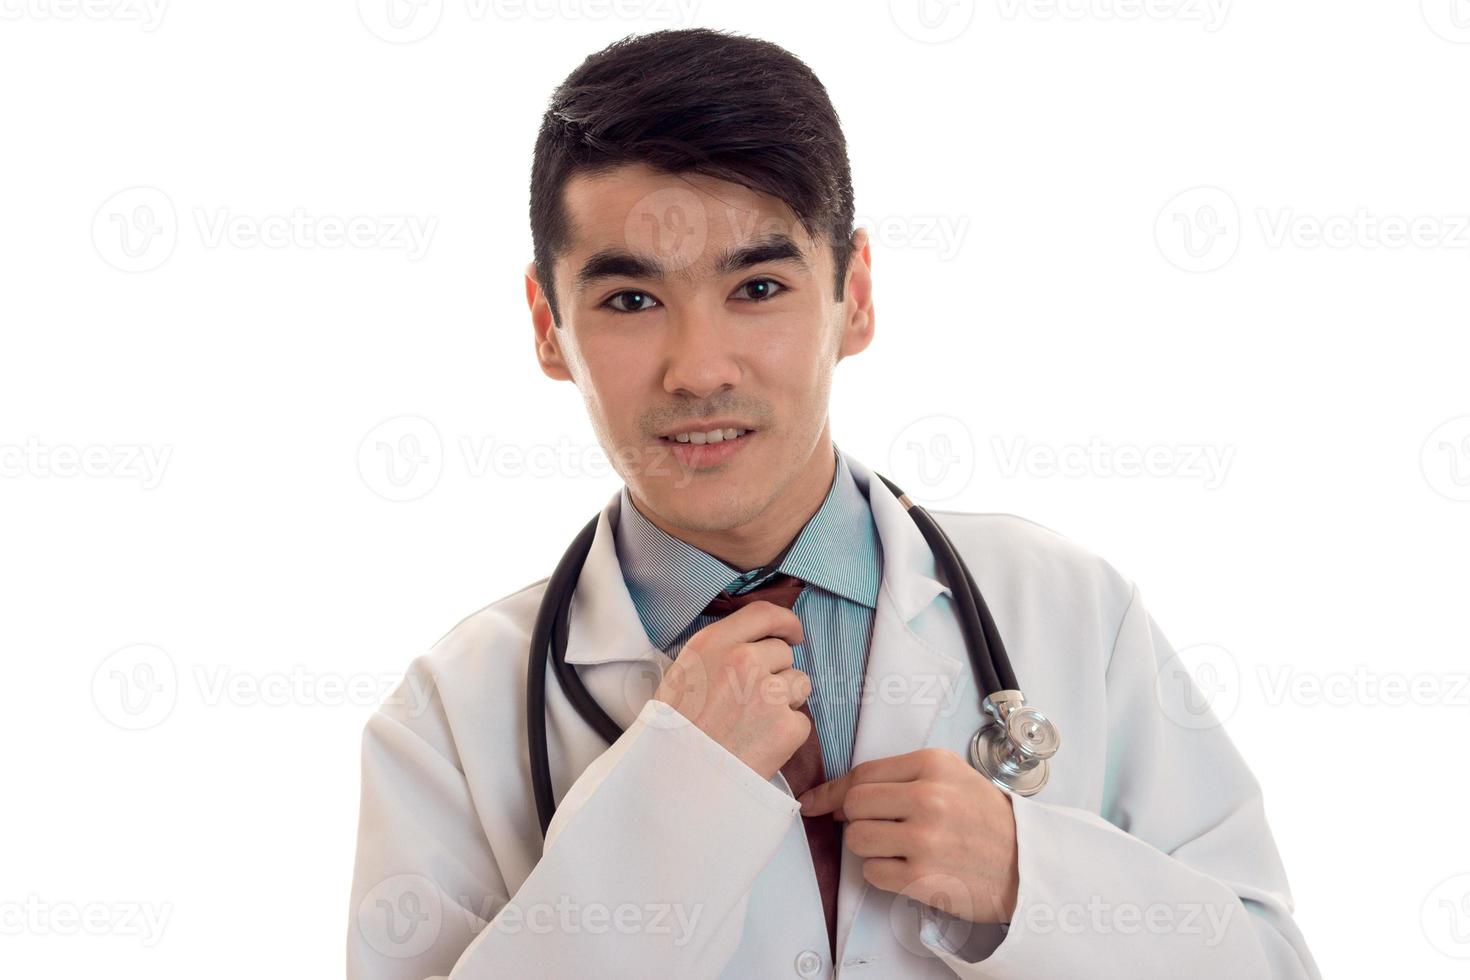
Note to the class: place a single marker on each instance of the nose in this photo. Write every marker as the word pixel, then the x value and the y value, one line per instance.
pixel 700 357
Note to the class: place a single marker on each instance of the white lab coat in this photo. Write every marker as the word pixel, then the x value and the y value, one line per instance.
pixel 1147 854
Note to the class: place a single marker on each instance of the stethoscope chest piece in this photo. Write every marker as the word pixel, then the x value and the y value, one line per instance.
pixel 1011 749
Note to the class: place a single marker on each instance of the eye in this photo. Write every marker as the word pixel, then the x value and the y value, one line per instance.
pixel 639 296
pixel 766 291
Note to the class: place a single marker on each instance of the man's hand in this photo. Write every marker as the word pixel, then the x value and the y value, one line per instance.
pixel 734 679
pixel 927 824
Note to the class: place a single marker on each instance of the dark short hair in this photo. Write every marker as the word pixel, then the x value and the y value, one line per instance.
pixel 712 102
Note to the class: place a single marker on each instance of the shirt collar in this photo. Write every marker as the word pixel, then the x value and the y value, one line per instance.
pixel 671 581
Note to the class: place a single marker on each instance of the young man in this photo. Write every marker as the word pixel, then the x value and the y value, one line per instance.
pixel 764 619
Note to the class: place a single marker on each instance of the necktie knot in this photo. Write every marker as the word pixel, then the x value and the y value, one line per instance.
pixel 782 589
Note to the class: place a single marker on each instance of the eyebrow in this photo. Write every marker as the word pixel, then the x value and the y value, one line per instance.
pixel 617 263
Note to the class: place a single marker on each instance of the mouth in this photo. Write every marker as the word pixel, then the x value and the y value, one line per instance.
pixel 705 448
pixel 709 436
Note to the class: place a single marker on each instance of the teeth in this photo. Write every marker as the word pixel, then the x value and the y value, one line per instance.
pixel 714 435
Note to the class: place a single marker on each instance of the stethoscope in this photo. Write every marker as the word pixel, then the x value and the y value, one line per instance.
pixel 1011 747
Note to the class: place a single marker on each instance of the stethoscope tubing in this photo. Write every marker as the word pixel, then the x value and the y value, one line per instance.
pixel 988 657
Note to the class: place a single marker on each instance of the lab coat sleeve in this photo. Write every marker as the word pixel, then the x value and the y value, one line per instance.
pixel 1179 876
pixel 647 867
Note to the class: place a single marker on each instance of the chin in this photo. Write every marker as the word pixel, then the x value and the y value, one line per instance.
pixel 705 505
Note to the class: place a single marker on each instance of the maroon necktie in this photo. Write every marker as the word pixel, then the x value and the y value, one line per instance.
pixel 804 770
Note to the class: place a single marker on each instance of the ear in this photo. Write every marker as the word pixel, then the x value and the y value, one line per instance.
pixel 857 292
pixel 548 337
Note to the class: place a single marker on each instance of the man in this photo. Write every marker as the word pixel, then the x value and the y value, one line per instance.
pixel 764 620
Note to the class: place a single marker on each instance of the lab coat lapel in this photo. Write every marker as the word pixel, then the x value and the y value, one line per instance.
pixel 605 629
pixel 914 670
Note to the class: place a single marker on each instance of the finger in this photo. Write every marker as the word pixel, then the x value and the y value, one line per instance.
pixel 824 797
pixel 878 801
pixel 775 654
pixel 889 874
pixel 891 769
pixel 877 838
pixel 789 687
pixel 798 686
pixel 756 621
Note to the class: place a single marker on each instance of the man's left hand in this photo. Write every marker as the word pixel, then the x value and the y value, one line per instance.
pixel 927 824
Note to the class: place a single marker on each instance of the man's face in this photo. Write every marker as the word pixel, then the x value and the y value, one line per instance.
pixel 689 305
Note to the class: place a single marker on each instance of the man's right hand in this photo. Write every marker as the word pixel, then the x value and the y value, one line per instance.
pixel 734 679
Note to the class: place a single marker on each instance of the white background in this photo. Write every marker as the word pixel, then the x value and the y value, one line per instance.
pixel 1202 230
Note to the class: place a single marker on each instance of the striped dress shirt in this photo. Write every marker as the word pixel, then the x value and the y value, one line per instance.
pixel 838 554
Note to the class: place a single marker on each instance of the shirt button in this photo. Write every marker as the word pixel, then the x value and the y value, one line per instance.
pixel 808 963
